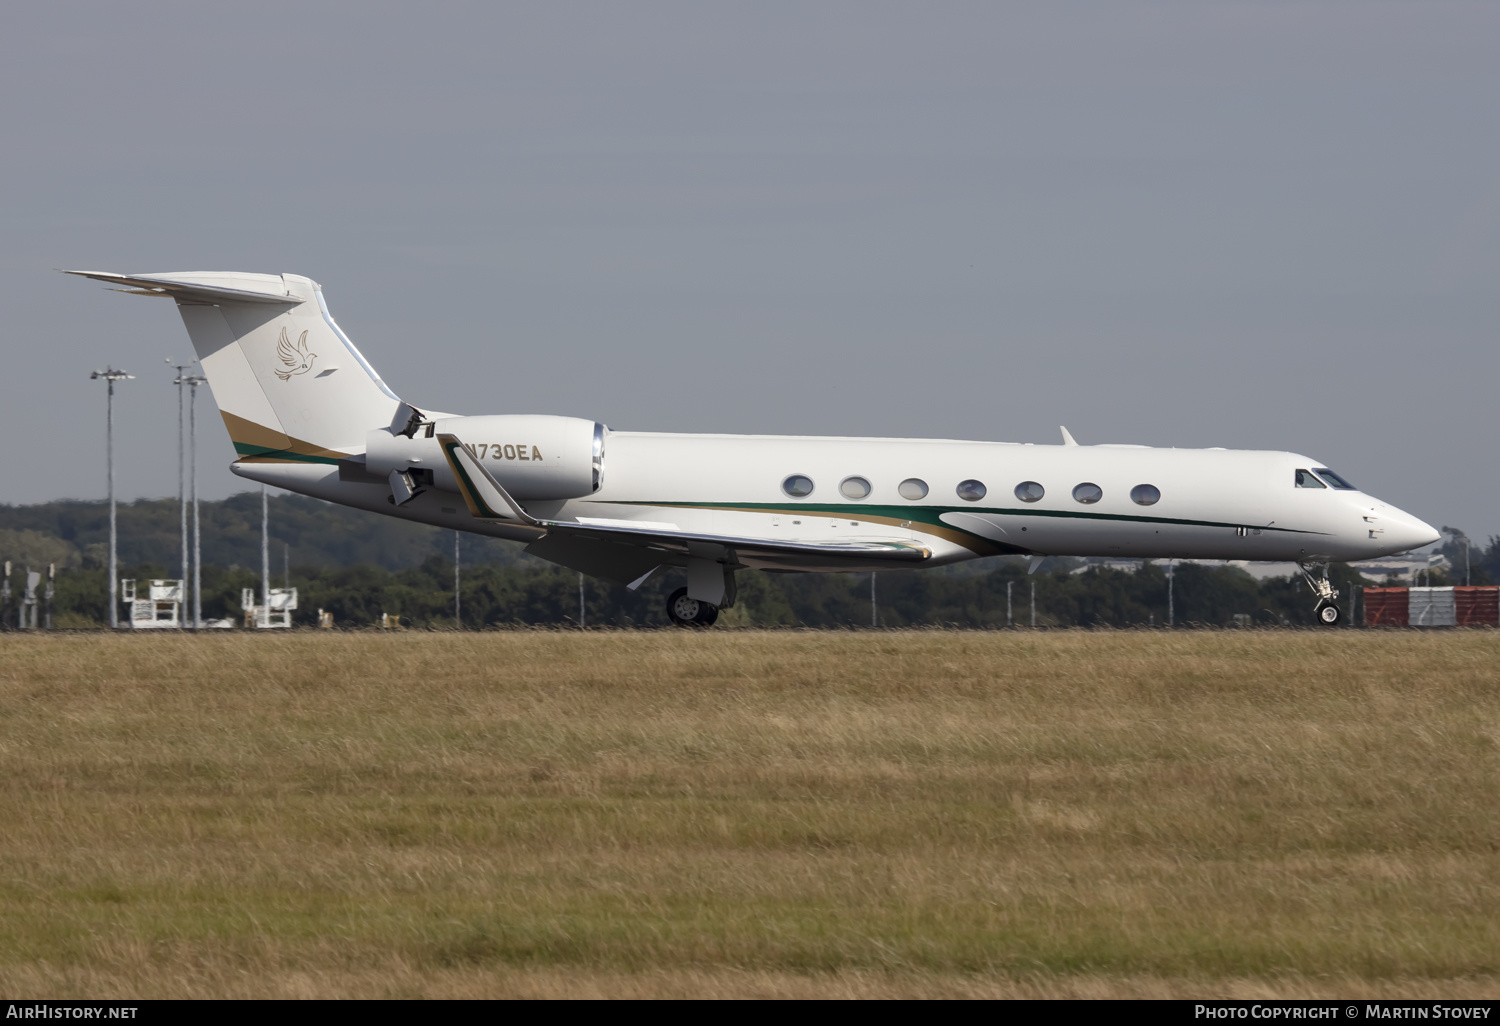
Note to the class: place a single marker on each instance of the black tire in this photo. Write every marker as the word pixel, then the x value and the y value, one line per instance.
pixel 684 611
pixel 1328 614
pixel 689 612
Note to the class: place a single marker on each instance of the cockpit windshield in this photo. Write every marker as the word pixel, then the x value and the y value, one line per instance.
pixel 1334 479
pixel 1307 479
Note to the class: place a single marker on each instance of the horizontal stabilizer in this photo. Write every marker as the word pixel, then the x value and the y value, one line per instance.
pixel 209 286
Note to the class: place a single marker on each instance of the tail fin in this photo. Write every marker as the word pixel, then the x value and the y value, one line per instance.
pixel 290 385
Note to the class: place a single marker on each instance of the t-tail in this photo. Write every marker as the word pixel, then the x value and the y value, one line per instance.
pixel 290 385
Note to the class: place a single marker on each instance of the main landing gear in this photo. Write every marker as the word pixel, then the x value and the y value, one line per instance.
pixel 1326 611
pixel 689 612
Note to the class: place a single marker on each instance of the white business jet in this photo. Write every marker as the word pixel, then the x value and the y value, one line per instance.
pixel 307 413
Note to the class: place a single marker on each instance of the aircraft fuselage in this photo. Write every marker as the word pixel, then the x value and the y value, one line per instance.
pixel 1213 503
pixel 308 413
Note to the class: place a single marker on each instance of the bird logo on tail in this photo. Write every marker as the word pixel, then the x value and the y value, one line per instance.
pixel 297 358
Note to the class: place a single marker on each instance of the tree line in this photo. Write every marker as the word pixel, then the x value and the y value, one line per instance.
pixel 357 567
pixel 995 593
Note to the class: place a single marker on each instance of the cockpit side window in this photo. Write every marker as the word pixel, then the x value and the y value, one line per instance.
pixel 1307 479
pixel 1334 479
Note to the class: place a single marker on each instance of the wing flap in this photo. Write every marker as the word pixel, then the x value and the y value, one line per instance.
pixel 598 557
pixel 686 543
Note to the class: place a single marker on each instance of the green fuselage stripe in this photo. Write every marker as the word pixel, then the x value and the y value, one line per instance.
pixel 933 514
pixel 246 449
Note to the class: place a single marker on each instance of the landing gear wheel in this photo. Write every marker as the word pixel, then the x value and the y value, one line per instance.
pixel 689 612
pixel 1326 612
pixel 681 610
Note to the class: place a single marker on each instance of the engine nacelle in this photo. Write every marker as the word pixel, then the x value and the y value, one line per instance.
pixel 532 456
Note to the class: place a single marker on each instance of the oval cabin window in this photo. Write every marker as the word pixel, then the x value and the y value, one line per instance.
pixel 971 490
pixel 797 486
pixel 1088 492
pixel 913 488
pixel 1030 491
pixel 1145 495
pixel 854 488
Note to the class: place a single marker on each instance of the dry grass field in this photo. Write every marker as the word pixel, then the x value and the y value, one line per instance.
pixel 546 813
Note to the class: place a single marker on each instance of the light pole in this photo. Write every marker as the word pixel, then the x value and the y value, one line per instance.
pixel 458 620
pixel 265 558
pixel 110 375
pixel 179 381
pixel 194 381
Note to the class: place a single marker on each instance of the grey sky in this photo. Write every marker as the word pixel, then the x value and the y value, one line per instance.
pixel 1259 225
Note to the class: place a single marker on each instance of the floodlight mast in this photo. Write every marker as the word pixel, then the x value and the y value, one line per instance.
pixel 194 381
pixel 111 375
pixel 265 558
pixel 180 381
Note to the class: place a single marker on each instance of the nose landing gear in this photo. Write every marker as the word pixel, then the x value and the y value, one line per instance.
pixel 689 612
pixel 1326 611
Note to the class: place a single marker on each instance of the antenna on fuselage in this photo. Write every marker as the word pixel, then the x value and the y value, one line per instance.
pixel 1067 438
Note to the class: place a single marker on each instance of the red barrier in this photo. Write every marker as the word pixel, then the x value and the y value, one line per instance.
pixel 1477 606
pixel 1474 607
pixel 1386 607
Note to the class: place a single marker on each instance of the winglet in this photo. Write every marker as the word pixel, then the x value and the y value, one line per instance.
pixel 484 496
pixel 1067 438
pixel 1034 562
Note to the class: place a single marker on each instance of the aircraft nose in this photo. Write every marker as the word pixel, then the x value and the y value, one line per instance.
pixel 1423 533
pixel 1404 531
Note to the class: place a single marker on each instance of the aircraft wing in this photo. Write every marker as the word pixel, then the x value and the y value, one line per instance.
pixel 628 553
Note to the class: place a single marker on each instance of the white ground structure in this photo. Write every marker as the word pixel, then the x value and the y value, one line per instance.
pixel 160 606
pixel 275 613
